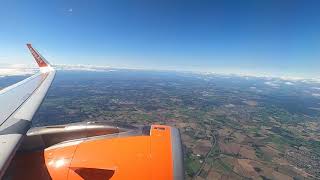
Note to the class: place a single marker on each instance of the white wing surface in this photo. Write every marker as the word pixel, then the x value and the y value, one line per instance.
pixel 18 104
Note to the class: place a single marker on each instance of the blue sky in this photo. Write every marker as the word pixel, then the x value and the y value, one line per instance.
pixel 272 37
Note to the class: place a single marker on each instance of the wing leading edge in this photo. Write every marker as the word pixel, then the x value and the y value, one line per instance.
pixel 18 104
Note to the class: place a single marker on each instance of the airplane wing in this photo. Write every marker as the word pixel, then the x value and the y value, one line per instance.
pixel 18 104
pixel 79 151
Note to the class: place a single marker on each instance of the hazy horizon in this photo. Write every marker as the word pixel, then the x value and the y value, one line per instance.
pixel 7 69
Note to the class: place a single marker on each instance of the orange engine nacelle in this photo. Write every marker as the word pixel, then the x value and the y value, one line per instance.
pixel 152 152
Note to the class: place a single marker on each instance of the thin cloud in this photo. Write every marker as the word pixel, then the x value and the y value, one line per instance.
pixel 17 70
pixel 289 83
pixel 315 94
pixel 272 84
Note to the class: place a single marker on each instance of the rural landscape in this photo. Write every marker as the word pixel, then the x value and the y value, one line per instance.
pixel 232 127
pixel 239 79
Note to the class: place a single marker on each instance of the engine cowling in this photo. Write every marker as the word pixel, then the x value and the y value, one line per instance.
pixel 100 151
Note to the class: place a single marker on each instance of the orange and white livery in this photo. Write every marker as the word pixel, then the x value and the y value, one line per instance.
pixel 79 151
